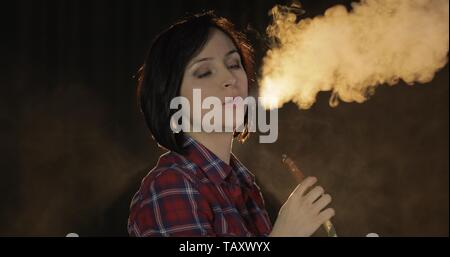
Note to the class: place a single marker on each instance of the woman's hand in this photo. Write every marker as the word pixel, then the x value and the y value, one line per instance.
pixel 303 213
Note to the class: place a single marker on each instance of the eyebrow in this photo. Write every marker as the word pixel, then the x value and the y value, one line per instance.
pixel 210 58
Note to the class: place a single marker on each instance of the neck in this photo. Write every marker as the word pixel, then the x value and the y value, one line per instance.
pixel 218 143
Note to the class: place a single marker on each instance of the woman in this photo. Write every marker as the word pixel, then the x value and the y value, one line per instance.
pixel 199 188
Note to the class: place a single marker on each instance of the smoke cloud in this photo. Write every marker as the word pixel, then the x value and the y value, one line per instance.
pixel 350 52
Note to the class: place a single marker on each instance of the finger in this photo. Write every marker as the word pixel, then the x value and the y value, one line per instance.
pixel 314 194
pixel 326 215
pixel 305 185
pixel 323 201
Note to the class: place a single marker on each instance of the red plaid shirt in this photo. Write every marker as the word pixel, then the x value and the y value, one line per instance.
pixel 197 194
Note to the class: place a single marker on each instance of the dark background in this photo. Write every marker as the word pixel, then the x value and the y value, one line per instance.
pixel 74 147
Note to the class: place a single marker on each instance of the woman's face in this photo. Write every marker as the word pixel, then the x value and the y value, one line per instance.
pixel 217 70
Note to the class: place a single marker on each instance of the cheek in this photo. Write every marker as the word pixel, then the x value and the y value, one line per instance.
pixel 243 83
pixel 188 86
pixel 187 90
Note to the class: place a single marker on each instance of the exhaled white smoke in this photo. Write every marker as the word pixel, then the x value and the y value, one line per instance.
pixel 350 52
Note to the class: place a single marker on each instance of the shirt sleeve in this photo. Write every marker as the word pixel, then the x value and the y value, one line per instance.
pixel 170 205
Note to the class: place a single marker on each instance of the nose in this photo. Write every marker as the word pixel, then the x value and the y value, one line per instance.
pixel 230 80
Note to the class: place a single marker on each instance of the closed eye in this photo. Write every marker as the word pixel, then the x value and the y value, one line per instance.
pixel 236 65
pixel 204 74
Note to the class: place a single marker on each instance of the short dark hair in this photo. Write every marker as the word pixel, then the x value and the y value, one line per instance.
pixel 161 75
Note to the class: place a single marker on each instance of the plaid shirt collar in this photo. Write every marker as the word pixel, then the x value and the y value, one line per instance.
pixel 215 169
